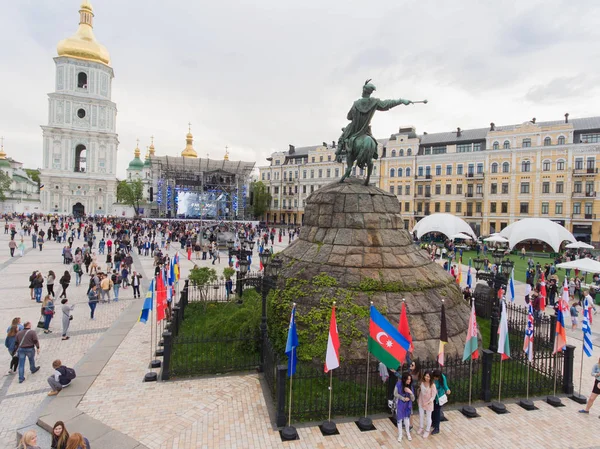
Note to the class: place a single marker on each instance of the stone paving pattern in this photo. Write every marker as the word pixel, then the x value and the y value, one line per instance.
pixel 230 411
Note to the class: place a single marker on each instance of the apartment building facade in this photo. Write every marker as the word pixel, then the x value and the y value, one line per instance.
pixel 489 176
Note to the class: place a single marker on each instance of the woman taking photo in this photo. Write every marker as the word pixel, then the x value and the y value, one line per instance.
pixel 48 312
pixel 10 343
pixel 427 395
pixel 60 436
pixel 65 316
pixel 38 285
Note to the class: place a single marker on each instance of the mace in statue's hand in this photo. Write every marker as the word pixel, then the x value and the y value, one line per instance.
pixel 405 102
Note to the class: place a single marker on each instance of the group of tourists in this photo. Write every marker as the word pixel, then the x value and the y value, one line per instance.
pixel 61 439
pixel 427 389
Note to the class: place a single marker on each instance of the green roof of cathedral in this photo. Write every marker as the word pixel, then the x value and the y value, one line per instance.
pixel 136 164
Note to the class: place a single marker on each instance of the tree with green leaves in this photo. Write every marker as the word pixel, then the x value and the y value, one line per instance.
pixel 261 199
pixel 131 193
pixel 202 278
pixel 5 182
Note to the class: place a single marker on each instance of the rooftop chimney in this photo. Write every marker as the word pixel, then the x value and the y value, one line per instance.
pixel 492 126
pixel 567 117
pixel 292 149
pixel 458 132
pixel 333 144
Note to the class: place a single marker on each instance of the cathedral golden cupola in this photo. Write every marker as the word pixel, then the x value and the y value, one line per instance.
pixel 4 162
pixel 189 144
pixel 83 44
pixel 226 157
pixel 151 146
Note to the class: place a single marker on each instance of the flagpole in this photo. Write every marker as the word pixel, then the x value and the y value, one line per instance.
pixel 470 377
pixel 291 378
pixel 581 370
pixel 528 365
pixel 368 367
pixel 555 371
pixel 330 391
pixel 500 379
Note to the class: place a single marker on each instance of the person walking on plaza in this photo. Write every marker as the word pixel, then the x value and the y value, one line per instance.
pixel 31 279
pixel 442 392
pixel 106 285
pixel 66 310
pixel 135 283
pixel 404 396
pixel 60 436
pixel 60 378
pixel 40 242
pixel 38 285
pixel 27 342
pixel 595 388
pixel 28 440
pixel 48 312
pixel 427 395
pixel 116 281
pixel 12 245
pixel 22 247
pixel 65 280
pixel 34 240
pixel 50 282
pixel 78 441
pixel 93 300
pixel 11 345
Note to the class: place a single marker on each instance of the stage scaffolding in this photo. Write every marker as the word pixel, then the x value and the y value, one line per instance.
pixel 224 183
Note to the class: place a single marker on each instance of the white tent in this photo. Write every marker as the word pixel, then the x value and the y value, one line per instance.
pixel 496 239
pixel 461 236
pixel 537 229
pixel 579 245
pixel 588 265
pixel 446 224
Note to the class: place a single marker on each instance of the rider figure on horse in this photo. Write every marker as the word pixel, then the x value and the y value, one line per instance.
pixel 356 142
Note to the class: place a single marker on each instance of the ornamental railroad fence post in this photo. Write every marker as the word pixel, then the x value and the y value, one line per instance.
pixel 281 419
pixel 486 375
pixel 568 364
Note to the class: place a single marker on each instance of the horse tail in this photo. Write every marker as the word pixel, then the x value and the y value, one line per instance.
pixel 365 155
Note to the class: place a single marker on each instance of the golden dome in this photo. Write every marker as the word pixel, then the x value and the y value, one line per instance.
pixel 189 145
pixel 83 44
pixel 152 146
pixel 136 152
pixel 226 157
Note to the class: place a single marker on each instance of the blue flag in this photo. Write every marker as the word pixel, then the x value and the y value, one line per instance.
pixel 148 302
pixel 469 279
pixel 511 287
pixel 292 345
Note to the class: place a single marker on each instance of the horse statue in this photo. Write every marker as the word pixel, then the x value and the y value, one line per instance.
pixel 356 141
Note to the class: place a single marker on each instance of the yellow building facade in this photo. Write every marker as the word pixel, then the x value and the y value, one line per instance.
pixel 489 176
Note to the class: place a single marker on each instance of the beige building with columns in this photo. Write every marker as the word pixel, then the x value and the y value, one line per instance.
pixel 489 176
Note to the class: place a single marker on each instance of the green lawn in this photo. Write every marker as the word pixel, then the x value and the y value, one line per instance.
pixel 520 264
pixel 218 337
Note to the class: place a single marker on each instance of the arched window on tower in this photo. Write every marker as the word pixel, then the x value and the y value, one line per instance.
pixel 80 159
pixel 82 80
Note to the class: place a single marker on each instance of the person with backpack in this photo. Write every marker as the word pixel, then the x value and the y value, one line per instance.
pixel 64 282
pixel 60 378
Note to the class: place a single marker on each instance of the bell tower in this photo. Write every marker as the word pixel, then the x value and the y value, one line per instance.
pixel 80 141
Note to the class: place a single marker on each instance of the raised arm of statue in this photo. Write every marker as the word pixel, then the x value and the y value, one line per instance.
pixel 385 105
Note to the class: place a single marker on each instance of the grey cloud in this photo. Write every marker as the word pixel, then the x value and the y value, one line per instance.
pixel 563 88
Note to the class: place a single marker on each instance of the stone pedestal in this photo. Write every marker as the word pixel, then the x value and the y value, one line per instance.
pixel 356 234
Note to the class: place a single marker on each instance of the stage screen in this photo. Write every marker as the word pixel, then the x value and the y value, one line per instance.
pixel 205 205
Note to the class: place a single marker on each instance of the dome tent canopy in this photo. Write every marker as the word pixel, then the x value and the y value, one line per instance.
pixel 541 229
pixel 446 224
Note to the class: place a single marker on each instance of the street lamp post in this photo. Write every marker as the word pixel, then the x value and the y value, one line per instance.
pixel 496 281
pixel 272 268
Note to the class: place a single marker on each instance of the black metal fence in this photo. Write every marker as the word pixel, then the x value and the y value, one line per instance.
pixel 544 325
pixel 222 291
pixel 195 355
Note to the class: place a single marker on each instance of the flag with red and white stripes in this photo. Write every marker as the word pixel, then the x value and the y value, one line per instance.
pixel 332 358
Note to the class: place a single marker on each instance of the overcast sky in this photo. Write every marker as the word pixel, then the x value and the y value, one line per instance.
pixel 258 75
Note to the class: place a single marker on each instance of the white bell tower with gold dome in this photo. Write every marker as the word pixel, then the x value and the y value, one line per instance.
pixel 80 139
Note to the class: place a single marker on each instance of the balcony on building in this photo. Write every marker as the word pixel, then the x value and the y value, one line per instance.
pixel 474 196
pixel 474 175
pixel 423 177
pixel 472 214
pixel 583 216
pixel 585 171
pixel 582 194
